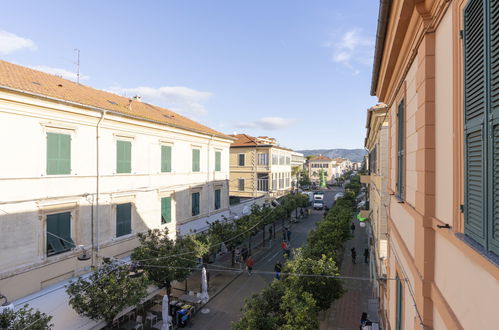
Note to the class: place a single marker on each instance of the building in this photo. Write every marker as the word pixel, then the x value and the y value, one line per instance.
pixel 297 165
pixel 376 142
pixel 435 68
pixel 89 169
pixel 259 166
pixel 319 163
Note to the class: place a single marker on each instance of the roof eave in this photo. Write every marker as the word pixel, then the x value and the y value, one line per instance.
pixel 383 18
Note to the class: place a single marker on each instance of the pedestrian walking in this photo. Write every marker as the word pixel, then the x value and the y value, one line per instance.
pixel 352 227
pixel 244 253
pixel 249 264
pixel 302 214
pixel 278 269
pixel 237 255
pixel 364 321
pixel 366 255
pixel 285 234
pixel 285 249
pixel 354 255
pixel 288 234
pixel 270 232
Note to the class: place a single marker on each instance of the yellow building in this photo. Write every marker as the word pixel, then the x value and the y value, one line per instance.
pixel 435 67
pixel 259 166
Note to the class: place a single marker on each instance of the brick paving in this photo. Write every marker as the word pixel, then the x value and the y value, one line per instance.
pixel 345 312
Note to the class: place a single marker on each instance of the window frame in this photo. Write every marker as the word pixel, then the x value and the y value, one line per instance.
pixel 196 212
pixel 240 157
pixel 116 207
pixel 240 184
pixel 217 196
pixel 196 153
pixel 166 221
pixel 166 165
pixel 120 170
pixel 49 170
pixel 218 160
pixel 64 242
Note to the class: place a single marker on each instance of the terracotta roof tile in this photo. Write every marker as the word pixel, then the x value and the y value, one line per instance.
pixel 320 157
pixel 37 82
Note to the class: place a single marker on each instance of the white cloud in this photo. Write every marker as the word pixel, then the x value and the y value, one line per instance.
pixel 63 73
pixel 267 123
pixel 180 99
pixel 9 42
pixel 351 48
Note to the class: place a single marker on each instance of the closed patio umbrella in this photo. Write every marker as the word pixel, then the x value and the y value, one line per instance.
pixel 204 287
pixel 165 314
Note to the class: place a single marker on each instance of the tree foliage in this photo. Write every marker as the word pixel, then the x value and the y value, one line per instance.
pixel 105 293
pixel 25 318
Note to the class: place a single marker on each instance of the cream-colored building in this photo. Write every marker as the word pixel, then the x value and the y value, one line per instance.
pixel 297 165
pixel 376 142
pixel 435 67
pixel 316 164
pixel 89 169
pixel 259 166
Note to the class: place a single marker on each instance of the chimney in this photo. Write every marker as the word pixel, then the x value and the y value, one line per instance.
pixel 137 98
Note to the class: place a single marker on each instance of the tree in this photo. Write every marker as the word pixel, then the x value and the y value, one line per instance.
pixel 305 179
pixel 25 318
pixel 107 292
pixel 162 263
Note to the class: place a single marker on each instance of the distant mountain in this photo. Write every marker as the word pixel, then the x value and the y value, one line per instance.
pixel 355 155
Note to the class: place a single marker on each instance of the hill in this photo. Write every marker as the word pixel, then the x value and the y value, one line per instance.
pixel 355 155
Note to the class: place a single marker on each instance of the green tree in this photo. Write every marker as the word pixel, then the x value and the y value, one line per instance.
pixel 107 292
pixel 304 178
pixel 25 318
pixel 162 263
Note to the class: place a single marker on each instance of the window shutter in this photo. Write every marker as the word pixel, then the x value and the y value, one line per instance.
pixel 166 210
pixel 123 219
pixel 58 153
pixel 474 113
pixel 217 198
pixel 494 120
pixel 166 159
pixel 195 204
pixel 401 149
pixel 52 153
pixel 218 161
pixel 241 159
pixel 123 157
pixel 195 160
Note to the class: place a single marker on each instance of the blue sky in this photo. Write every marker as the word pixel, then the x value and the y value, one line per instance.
pixel 299 71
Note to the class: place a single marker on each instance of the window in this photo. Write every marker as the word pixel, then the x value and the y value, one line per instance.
pixel 123 156
pixel 123 219
pixel 263 159
pixel 241 184
pixel 166 159
pixel 59 233
pixel 58 153
pixel 196 155
pixel 274 182
pixel 481 123
pixel 218 195
pixel 262 182
pixel 281 159
pixel 400 149
pixel 399 307
pixel 275 159
pixel 241 160
pixel 288 160
pixel 218 161
pixel 166 210
pixel 195 203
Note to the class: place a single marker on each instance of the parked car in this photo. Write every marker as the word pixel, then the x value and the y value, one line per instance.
pixel 318 204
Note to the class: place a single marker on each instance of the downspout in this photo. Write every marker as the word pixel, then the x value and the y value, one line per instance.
pixel 208 177
pixel 97 189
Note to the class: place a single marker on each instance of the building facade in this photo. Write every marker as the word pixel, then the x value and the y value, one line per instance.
pixel 87 170
pixel 259 166
pixel 435 69
pixel 319 163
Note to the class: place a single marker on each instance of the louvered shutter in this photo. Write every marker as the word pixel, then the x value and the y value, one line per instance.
pixel 195 160
pixel 166 159
pixel 58 153
pixel 493 228
pixel 123 219
pixel 123 157
pixel 166 210
pixel 400 149
pixel 218 160
pixel 474 113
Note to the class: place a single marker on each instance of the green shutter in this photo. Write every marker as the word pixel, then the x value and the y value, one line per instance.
pixel 123 219
pixel 218 161
pixel 195 203
pixel 494 120
pixel 58 153
pixel 217 199
pixel 400 149
pixel 166 210
pixel 241 159
pixel 59 233
pixel 196 153
pixel 399 306
pixel 123 157
pixel 474 120
pixel 166 158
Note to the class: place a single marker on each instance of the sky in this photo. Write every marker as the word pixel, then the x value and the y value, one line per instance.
pixel 298 71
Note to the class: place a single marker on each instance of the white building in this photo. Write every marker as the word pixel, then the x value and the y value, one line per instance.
pixel 85 167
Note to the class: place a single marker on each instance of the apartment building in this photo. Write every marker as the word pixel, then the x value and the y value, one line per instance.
pixel 435 67
pixel 259 166
pixel 376 142
pixel 85 169
pixel 318 163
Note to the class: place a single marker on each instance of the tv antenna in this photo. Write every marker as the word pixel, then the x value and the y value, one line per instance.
pixel 77 50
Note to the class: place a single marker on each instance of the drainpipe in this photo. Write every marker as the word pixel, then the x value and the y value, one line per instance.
pixel 208 176
pixel 97 189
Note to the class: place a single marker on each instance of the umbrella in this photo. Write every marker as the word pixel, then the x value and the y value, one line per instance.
pixel 165 314
pixel 204 287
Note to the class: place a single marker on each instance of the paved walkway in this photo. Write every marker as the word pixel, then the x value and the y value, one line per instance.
pixel 345 313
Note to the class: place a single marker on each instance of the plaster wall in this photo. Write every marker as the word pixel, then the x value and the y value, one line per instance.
pixel 404 224
pixel 444 112
pixel 411 139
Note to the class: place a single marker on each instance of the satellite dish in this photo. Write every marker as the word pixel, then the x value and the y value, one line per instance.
pixel 246 210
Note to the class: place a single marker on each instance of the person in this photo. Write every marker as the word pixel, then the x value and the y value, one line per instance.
pixel 364 321
pixel 249 264
pixel 352 227
pixel 285 249
pixel 270 232
pixel 354 255
pixel 278 269
pixel 302 213
pixel 237 255
pixel 285 233
pixel 366 255
pixel 288 234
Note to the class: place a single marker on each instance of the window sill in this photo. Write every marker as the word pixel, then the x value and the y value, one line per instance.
pixel 399 200
pixel 490 256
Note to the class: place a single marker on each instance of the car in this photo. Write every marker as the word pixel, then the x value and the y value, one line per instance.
pixel 338 195
pixel 318 205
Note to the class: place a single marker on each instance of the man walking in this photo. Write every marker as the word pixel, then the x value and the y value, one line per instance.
pixel 354 255
pixel 352 227
pixel 366 255
pixel 249 264
pixel 278 269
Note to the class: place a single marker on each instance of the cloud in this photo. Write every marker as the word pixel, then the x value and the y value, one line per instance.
pixel 9 42
pixel 267 123
pixel 351 48
pixel 63 73
pixel 180 99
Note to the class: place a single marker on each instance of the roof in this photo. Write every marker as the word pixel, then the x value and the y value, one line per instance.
pixel 26 80
pixel 320 157
pixel 245 140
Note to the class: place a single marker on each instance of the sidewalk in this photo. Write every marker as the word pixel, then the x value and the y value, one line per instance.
pixel 345 313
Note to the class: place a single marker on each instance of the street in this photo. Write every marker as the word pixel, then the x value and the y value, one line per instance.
pixel 226 306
